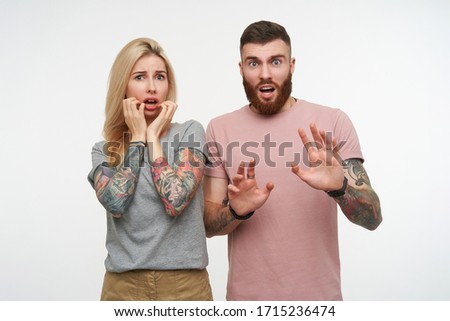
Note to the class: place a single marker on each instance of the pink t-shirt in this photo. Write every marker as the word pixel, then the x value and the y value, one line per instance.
pixel 289 249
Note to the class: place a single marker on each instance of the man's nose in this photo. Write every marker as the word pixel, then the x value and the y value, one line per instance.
pixel 265 72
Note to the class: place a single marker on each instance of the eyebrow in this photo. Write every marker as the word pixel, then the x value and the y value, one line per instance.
pixel 270 58
pixel 144 72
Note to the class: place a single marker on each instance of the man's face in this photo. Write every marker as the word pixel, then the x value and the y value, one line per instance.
pixel 267 71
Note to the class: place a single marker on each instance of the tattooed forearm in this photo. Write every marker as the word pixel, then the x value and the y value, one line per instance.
pixel 216 219
pixel 356 172
pixel 360 203
pixel 115 186
pixel 177 185
pixel 361 207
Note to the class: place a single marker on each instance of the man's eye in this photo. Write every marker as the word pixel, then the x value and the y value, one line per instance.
pixel 253 64
pixel 276 62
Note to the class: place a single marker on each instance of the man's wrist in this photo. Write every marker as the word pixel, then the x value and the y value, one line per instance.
pixel 240 217
pixel 339 192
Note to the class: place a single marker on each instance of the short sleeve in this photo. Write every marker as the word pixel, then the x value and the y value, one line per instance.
pixel 98 158
pixel 215 165
pixel 194 136
pixel 347 138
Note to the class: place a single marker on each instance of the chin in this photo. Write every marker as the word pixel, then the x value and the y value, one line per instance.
pixel 151 115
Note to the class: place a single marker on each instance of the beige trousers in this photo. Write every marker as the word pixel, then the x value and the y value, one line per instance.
pixel 147 285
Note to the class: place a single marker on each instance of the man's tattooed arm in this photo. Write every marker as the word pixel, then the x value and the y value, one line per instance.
pixel 177 185
pixel 115 186
pixel 218 220
pixel 360 203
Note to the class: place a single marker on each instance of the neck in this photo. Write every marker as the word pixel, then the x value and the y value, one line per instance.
pixel 288 104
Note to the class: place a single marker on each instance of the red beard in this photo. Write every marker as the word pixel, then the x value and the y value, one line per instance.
pixel 269 108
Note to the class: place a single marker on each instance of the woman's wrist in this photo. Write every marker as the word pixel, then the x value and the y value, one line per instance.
pixel 138 138
pixel 138 143
pixel 152 138
pixel 154 148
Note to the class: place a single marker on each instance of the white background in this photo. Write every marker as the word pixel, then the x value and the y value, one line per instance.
pixel 385 63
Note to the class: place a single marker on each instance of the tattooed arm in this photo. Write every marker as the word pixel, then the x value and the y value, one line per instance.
pixel 115 186
pixel 177 185
pixel 218 219
pixel 244 193
pixel 360 203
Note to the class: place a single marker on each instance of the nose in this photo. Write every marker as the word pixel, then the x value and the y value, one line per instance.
pixel 151 88
pixel 265 72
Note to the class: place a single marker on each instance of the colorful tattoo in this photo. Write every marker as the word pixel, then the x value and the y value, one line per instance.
pixel 177 185
pixel 360 204
pixel 357 172
pixel 115 186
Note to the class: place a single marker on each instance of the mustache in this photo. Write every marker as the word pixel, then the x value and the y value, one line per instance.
pixel 266 82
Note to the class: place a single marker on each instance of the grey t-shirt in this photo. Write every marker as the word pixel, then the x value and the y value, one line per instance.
pixel 146 237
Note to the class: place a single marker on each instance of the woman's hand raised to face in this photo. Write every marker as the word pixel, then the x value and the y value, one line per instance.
pixel 161 123
pixel 133 112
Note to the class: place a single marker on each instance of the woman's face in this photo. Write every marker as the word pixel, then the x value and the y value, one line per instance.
pixel 149 84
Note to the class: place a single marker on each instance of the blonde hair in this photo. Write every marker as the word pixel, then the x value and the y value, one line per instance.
pixel 115 127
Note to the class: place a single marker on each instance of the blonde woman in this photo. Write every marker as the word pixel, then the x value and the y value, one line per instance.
pixel 147 174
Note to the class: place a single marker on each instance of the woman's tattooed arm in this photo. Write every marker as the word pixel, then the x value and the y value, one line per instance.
pixel 360 203
pixel 177 185
pixel 115 186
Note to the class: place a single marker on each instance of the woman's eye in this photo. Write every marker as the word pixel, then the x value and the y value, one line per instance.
pixel 139 77
pixel 160 77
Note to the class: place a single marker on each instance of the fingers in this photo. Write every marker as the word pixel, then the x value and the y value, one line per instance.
pixel 132 107
pixel 237 179
pixel 296 170
pixel 168 109
pixel 233 189
pixel 320 140
pixel 240 175
pixel 316 135
pixel 162 122
pixel 317 141
pixel 133 112
pixel 270 186
pixel 251 170
pixel 141 110
pixel 330 142
pixel 241 169
pixel 131 102
pixel 303 137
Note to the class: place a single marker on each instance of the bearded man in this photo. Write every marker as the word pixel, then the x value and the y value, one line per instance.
pixel 283 236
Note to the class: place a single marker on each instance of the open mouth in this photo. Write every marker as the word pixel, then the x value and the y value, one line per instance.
pixel 151 104
pixel 267 89
pixel 150 101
